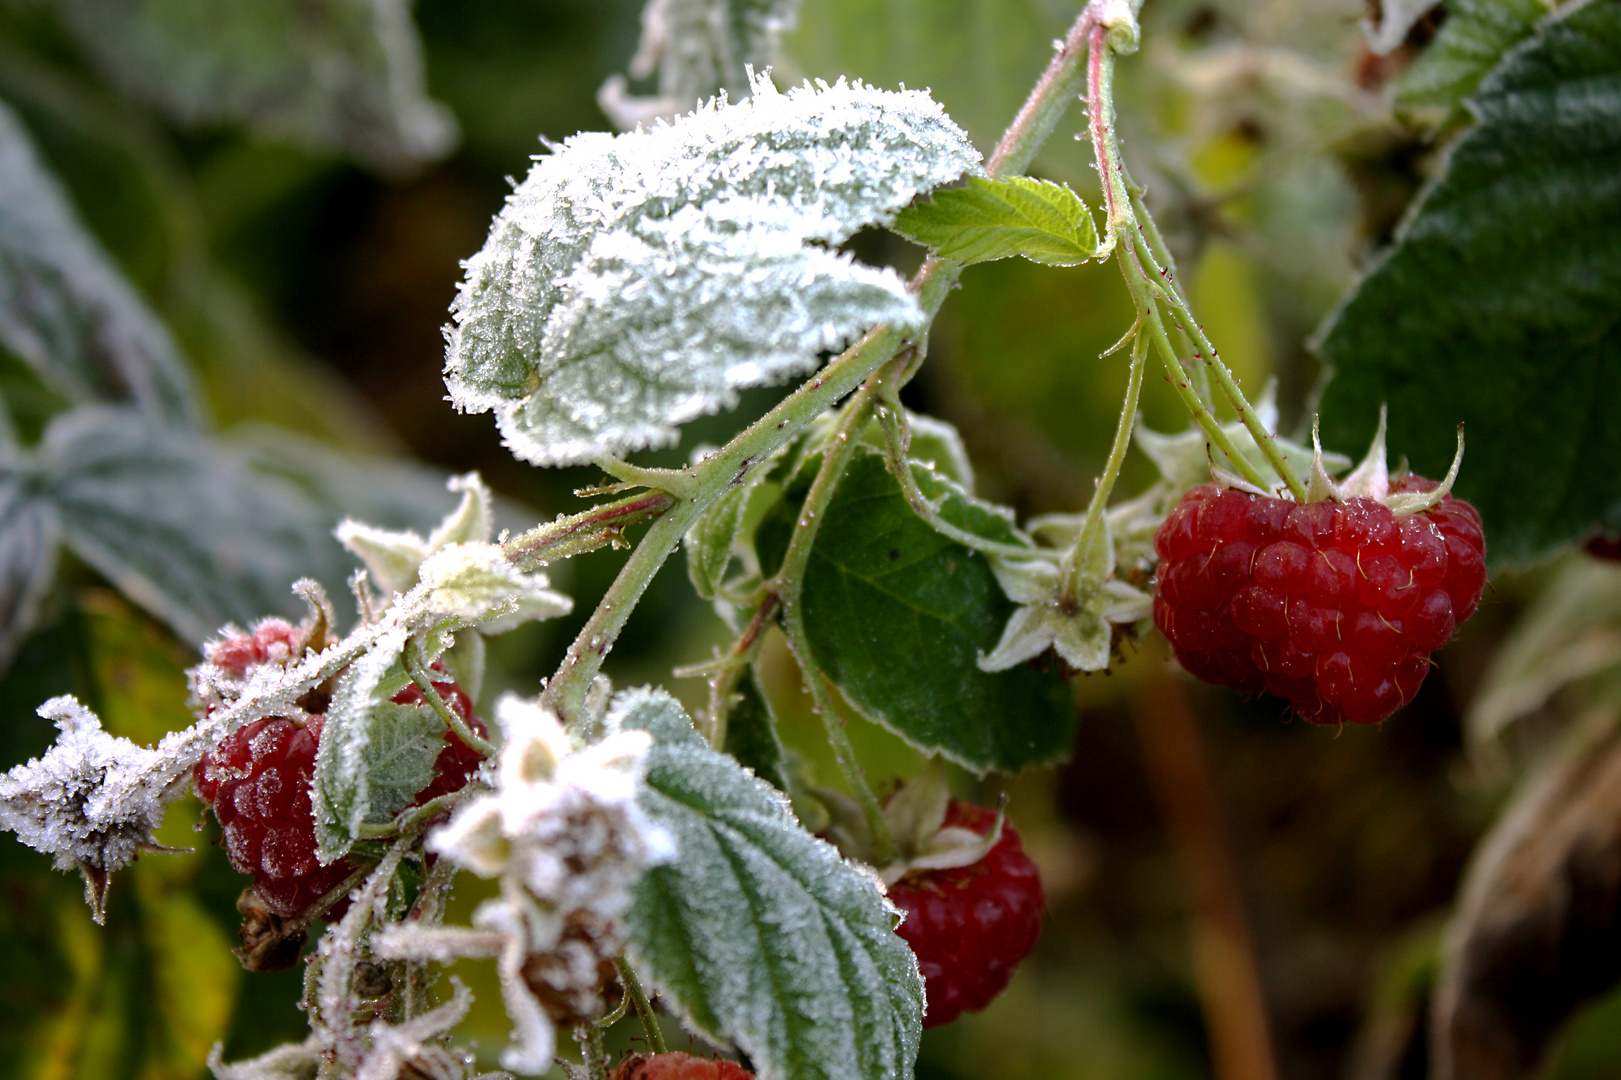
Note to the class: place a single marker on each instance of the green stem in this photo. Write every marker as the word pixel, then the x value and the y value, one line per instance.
pixel 423 677
pixel 1095 509
pixel 1162 253
pixel 586 531
pixel 638 1001
pixel 705 482
pixel 723 682
pixel 788 584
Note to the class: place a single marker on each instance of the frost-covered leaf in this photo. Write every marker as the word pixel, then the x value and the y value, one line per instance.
pixel 342 792
pixel 697 48
pixel 1469 44
pixel 758 934
pixel 1499 304
pixel 633 282
pixel 899 615
pixel 995 219
pixel 338 76
pixel 92 801
pixel 29 532
pixel 290 1061
pixel 405 740
pixel 65 309
pixel 180 523
pixel 474 583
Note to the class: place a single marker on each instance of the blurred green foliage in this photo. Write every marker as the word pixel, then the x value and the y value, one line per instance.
pixel 310 293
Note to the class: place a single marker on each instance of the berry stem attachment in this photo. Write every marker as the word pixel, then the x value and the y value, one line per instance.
pixel 423 677
pixel 638 1000
pixel 1114 29
pixel 1074 561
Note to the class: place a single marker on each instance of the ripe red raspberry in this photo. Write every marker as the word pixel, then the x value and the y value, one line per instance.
pixel 257 780
pixel 679 1066
pixel 1333 605
pixel 971 925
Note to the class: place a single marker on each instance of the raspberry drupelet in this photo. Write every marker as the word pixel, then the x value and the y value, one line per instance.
pixel 1334 605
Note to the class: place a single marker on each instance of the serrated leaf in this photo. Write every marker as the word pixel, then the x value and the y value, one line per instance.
pixel 29 533
pixel 633 282
pixel 343 791
pixel 1499 305
pixel 65 309
pixel 697 48
pixel 1469 44
pixel 343 76
pixel 178 522
pixel 987 220
pixel 759 934
pixel 898 616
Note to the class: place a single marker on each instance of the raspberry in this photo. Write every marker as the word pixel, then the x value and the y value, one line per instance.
pixel 971 925
pixel 679 1066
pixel 1335 606
pixel 257 780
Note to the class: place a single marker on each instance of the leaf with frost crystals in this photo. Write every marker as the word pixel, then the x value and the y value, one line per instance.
pixel 633 282
pixel 698 48
pixel 758 933
pixel 92 800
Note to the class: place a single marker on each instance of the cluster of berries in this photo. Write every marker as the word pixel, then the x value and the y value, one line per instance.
pixel 1334 605
pixel 257 780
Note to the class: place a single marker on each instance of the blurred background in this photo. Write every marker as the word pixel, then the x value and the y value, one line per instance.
pixel 1231 894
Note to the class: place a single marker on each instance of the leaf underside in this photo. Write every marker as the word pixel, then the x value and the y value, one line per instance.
pixel 1498 306
pixel 758 933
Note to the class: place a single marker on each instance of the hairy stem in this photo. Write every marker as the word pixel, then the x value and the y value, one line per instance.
pixel 422 675
pixel 638 1001
pixel 1084 539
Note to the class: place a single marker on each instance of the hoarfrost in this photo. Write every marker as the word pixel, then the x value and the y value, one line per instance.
pixel 93 800
pixel 633 282
pixel 564 831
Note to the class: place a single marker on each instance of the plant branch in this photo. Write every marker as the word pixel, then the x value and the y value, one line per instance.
pixel 638 1001
pixel 422 676
pixel 585 531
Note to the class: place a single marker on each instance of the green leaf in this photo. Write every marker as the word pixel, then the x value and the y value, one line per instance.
pixel 1500 303
pixel 987 220
pixel 898 616
pixel 65 309
pixel 751 735
pixel 1469 44
pixel 345 78
pixel 29 531
pixel 179 523
pixel 759 934
pixel 709 541
pixel 360 737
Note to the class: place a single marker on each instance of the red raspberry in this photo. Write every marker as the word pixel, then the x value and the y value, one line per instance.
pixel 1335 606
pixel 679 1066
pixel 258 782
pixel 971 925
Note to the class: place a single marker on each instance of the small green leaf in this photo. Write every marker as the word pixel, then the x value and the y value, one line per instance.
pixel 751 735
pixel 898 616
pixel 995 219
pixel 405 740
pixel 1500 303
pixel 29 532
pixel 345 794
pixel 759 934
pixel 1469 44
pixel 709 541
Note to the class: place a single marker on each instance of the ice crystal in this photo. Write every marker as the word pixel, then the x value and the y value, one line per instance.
pixel 93 800
pixel 698 48
pixel 564 832
pixel 633 282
